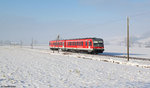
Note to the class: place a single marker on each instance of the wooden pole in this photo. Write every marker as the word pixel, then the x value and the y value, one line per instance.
pixel 58 42
pixel 127 38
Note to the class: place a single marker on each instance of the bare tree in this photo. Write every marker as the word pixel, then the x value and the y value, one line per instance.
pixel 1 43
pixel 21 43
pixel 32 43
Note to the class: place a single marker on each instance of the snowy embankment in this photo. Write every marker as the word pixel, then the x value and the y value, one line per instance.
pixel 29 68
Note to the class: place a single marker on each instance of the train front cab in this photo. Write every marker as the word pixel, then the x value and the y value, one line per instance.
pixel 98 45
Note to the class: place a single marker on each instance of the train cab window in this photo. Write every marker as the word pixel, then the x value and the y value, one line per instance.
pixel 98 43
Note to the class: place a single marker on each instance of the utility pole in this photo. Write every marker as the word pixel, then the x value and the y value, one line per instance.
pixel 58 42
pixel 127 38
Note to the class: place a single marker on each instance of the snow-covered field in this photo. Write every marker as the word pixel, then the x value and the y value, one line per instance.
pixel 41 68
pixel 122 51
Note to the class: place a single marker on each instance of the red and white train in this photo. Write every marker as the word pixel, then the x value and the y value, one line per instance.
pixel 90 45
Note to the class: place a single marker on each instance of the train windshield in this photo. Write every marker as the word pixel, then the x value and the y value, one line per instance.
pixel 98 43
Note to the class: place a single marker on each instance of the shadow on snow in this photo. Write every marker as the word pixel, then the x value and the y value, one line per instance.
pixel 117 54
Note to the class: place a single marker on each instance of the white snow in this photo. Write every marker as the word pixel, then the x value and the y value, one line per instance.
pixel 122 51
pixel 41 68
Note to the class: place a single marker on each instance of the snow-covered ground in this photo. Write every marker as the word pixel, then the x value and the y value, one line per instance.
pixel 122 51
pixel 41 68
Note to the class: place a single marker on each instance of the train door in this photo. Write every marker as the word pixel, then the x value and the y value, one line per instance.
pixel 89 44
pixel 63 45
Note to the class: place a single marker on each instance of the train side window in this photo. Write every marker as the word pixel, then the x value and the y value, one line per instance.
pixel 90 43
pixel 86 43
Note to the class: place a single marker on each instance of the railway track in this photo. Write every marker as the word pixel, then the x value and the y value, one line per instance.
pixel 135 58
pixel 123 57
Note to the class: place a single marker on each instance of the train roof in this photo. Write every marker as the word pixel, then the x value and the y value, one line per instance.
pixel 94 38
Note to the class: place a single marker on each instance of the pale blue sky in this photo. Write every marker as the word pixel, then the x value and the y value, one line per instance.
pixel 43 20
